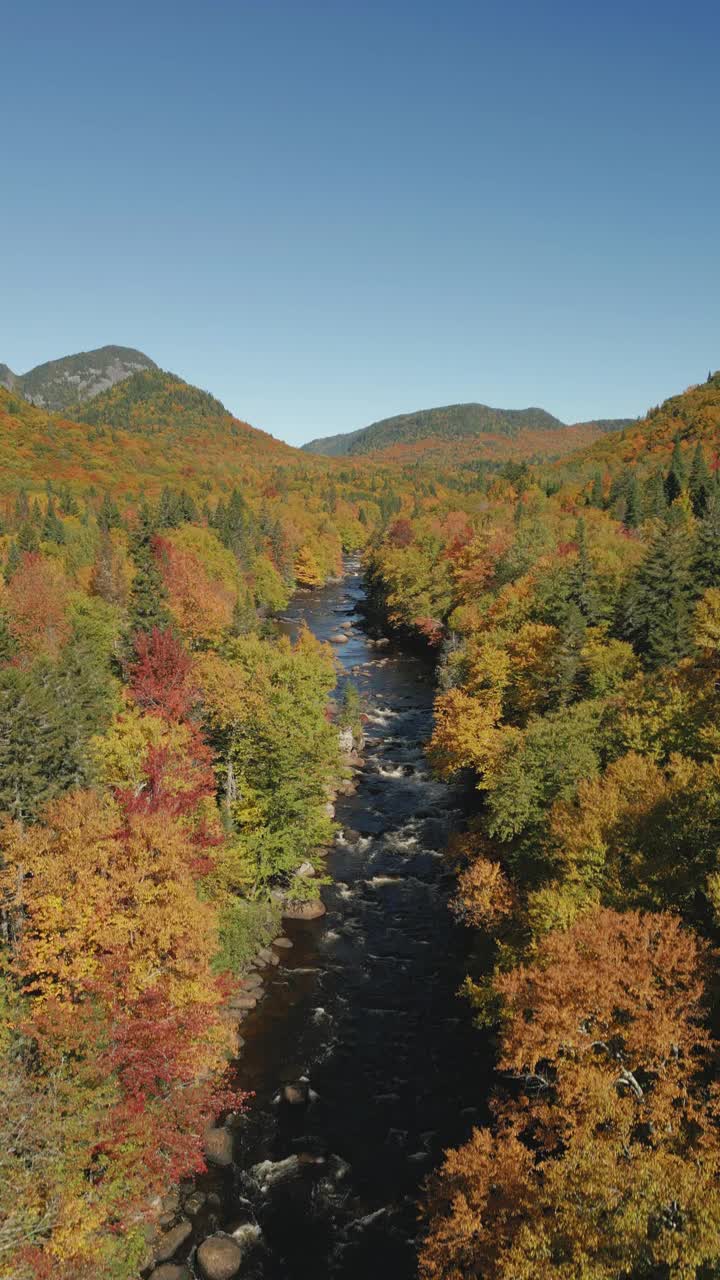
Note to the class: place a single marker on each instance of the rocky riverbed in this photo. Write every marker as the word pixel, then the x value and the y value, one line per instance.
pixel 362 1058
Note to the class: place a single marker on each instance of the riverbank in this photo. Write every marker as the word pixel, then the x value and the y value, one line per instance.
pixel 362 1060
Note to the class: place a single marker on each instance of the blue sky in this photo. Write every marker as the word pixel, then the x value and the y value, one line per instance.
pixel 326 213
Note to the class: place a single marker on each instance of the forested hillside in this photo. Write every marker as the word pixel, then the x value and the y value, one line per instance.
pixel 166 761
pixel 165 768
pixel 576 615
pixel 410 432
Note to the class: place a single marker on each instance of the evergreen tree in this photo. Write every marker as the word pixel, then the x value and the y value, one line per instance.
pixel 68 505
pixel 654 497
pixel 53 529
pixel 13 562
pixel 633 509
pixel 596 492
pixel 168 512
pixel 706 562
pixel 148 598
pixel 27 539
pixel 582 594
pixel 657 613
pixel 22 507
pixel 244 619
pixel 676 478
pixel 108 515
pixel 8 643
pixel 568 657
pixel 700 485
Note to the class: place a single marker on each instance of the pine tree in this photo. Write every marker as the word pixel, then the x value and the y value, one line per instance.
pixel 706 562
pixel 654 497
pixel 582 594
pixel 700 484
pixel 8 643
pixel 22 507
pixel 27 538
pixel 568 656
pixel 676 479
pixel 13 562
pixel 53 529
pixel 633 510
pixel 657 603
pixel 148 598
pixel 108 515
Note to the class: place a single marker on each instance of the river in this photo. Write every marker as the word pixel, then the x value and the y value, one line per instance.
pixel 364 1006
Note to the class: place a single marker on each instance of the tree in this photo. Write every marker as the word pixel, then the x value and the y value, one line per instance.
pixel 700 485
pixel 676 479
pixel 657 604
pixel 147 604
pixel 706 561
pixel 604 1161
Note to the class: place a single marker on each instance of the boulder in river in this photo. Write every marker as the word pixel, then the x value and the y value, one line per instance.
pixel 296 1094
pixel 311 910
pixel 338 638
pixel 220 1258
pixel 171 1271
pixel 218 1147
pixel 168 1244
pixel 282 942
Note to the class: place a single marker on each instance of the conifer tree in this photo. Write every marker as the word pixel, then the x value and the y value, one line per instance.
pixel 633 509
pixel 676 479
pixel 654 497
pixel 148 598
pixel 700 485
pixel 53 529
pixel 108 515
pixel 706 562
pixel 27 538
pixel 582 593
pixel 14 559
pixel 657 604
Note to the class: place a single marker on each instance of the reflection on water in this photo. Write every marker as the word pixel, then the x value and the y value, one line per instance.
pixel 363 1008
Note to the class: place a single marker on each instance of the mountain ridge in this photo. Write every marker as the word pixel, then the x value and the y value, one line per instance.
pixel 447 422
pixel 57 384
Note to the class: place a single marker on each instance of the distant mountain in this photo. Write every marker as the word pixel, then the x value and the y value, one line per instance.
pixel 451 422
pixel 58 384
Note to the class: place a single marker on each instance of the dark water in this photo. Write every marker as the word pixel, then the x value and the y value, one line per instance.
pixel 364 1006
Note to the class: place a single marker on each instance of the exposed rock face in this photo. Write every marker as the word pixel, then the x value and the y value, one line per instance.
pixel 220 1258
pixel 168 1245
pixel 75 379
pixel 218 1147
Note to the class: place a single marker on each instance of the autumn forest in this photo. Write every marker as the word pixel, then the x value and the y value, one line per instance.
pixel 169 761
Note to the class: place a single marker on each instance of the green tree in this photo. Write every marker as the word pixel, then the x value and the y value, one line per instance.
pixel 657 614
pixel 700 485
pixel 676 479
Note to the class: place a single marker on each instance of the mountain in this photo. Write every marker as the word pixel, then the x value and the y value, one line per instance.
pixel 448 423
pixel 57 384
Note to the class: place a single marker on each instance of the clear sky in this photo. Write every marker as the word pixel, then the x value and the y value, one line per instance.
pixel 330 212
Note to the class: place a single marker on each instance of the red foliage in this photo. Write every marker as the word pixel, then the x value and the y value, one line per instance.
pixel 400 533
pixel 160 678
